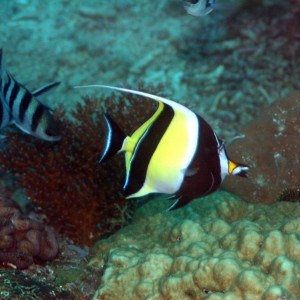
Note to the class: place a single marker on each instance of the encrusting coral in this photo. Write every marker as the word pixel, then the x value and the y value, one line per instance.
pixel 80 198
pixel 217 247
pixel 272 149
pixel 23 240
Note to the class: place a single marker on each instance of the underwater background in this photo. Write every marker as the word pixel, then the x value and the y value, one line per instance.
pixel 238 67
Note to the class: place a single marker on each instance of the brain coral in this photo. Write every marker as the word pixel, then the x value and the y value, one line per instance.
pixel 218 247
pixel 23 240
pixel 272 148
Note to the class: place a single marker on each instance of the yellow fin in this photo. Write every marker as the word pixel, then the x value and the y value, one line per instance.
pixel 144 191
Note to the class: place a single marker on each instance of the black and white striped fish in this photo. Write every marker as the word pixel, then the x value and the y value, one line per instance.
pixel 204 7
pixel 174 152
pixel 21 107
pixel 200 8
pixel 5 116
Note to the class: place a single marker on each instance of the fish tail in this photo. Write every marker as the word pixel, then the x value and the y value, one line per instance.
pixel 114 139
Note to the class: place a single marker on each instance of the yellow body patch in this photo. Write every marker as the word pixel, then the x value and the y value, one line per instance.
pixel 131 142
pixel 165 167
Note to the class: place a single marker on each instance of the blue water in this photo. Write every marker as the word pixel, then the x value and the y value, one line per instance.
pixel 225 65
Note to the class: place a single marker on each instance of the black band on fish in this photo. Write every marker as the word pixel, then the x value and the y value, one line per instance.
pixel 38 114
pixel 6 87
pixel 24 105
pixel 13 96
pixel 145 149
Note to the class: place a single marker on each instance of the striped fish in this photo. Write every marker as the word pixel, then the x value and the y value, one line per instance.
pixel 174 152
pixel 200 8
pixel 5 116
pixel 204 7
pixel 25 110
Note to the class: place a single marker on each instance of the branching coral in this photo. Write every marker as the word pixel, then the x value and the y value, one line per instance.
pixel 64 178
pixel 22 239
pixel 290 195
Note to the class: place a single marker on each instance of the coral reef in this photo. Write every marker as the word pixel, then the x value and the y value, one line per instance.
pixel 23 240
pixel 71 273
pixel 80 198
pixel 291 195
pixel 224 65
pixel 19 285
pixel 272 148
pixel 66 277
pixel 218 247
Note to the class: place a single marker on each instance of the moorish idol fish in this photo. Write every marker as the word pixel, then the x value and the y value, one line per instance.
pixel 200 8
pixel 21 107
pixel 174 152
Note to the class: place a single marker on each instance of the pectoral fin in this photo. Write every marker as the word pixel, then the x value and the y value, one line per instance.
pixel 190 171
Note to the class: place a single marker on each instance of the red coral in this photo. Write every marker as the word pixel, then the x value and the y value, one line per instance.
pixel 81 198
pixel 22 239
pixel 272 148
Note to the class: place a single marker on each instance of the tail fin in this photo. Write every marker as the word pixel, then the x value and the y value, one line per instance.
pixel 114 139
